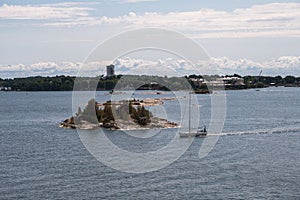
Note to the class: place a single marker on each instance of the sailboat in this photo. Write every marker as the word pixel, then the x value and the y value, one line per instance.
pixel 258 79
pixel 201 132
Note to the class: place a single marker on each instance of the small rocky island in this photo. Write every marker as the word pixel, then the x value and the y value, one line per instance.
pixel 124 115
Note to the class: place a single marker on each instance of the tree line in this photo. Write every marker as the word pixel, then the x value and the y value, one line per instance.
pixel 66 83
pixel 93 113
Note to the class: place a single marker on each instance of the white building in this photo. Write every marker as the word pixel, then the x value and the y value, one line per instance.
pixel 5 88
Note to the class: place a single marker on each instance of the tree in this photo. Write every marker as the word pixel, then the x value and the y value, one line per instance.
pixel 290 79
pixel 141 116
pixel 89 112
pixel 278 79
pixel 99 114
pixel 237 75
pixel 107 114
pixel 90 108
pixel 79 112
pixel 132 111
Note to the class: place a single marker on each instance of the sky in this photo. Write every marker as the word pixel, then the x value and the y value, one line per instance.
pixel 55 37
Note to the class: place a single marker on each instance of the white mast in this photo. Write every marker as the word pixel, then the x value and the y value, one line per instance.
pixel 190 99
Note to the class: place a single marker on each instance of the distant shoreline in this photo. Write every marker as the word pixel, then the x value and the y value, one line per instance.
pixel 199 83
pixel 154 91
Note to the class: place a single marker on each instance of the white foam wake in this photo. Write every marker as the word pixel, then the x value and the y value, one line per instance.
pixel 277 130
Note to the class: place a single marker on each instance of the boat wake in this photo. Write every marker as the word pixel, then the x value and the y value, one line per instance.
pixel 278 130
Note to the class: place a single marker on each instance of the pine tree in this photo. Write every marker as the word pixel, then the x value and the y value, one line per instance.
pixel 107 114
pixel 79 112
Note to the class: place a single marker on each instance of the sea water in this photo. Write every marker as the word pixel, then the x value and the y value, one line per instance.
pixel 257 156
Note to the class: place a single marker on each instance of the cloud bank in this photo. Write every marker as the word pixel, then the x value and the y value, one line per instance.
pixel 287 65
pixel 44 12
pixel 267 20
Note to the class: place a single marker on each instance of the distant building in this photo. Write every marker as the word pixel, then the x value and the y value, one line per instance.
pixel 154 86
pixel 197 81
pixel 5 88
pixel 233 80
pixel 110 70
pixel 226 81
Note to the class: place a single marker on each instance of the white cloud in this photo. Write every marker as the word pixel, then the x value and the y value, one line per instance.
pixel 137 1
pixel 267 20
pixel 283 65
pixel 170 67
pixel 43 12
pixel 276 19
pixel 68 4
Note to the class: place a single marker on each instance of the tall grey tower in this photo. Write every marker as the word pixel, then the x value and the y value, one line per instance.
pixel 110 70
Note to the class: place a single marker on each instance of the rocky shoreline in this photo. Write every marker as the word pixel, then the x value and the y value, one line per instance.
pixel 156 123
pixel 114 115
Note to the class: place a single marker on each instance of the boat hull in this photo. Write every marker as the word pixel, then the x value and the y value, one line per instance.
pixel 192 134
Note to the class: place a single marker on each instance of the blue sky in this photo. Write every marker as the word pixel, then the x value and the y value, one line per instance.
pixel 37 33
pixel 119 7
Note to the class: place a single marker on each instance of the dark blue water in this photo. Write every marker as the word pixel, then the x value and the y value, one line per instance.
pixel 258 156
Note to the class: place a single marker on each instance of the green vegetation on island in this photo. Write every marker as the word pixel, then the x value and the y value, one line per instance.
pixel 115 115
pixel 198 82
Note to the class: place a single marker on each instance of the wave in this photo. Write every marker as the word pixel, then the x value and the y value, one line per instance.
pixel 278 130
